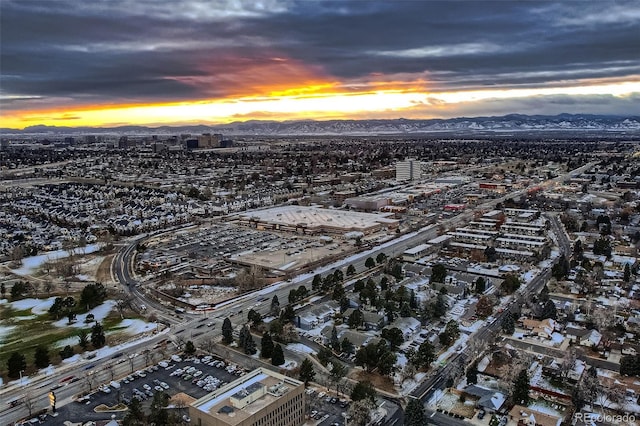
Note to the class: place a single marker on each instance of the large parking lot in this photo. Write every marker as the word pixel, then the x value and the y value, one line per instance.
pixel 193 376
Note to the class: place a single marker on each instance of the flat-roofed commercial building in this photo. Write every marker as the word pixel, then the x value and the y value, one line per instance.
pixel 313 220
pixel 259 398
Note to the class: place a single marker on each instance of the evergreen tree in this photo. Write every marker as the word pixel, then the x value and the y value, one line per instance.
pixel 520 393
pixel 347 346
pixel 548 310
pixel 369 263
pixel 266 346
pixel 481 285
pixel 278 356
pixel 275 328
pixel 424 356
pixel 508 324
pixel 334 342
pixel 317 282
pixel 98 338
pixel 394 336
pixel 381 258
pixel 384 283
pixel 41 358
pixel 307 373
pixel 92 295
pixel 16 364
pixel 243 335
pixel 3 290
pixel 135 416
pixel 288 314
pixel 66 352
pixel 324 355
pixel 438 273
pixel 83 338
pixel 275 306
pixel 413 300
pixel 159 415
pixel 414 414
pixel 351 270
pixel 363 390
pixel 405 310
pixel 338 292
pixel 249 345
pixel 439 308
pixel 189 348
pixel 355 319
pixel 472 374
pixel 254 317
pixel 18 290
pixel 510 284
pixel 344 303
pixel 627 273
pixel 227 331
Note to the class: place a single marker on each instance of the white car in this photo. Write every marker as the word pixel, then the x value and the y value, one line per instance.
pixel 146 387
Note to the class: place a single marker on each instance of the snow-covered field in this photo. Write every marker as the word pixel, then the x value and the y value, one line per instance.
pixel 32 263
pixel 99 314
pixel 37 306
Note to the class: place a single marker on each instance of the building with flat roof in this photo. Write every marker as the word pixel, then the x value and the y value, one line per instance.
pixel 259 398
pixel 313 220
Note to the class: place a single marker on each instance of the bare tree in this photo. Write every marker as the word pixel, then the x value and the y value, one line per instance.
pixel 123 304
pixel 360 412
pixel 111 370
pixel 148 357
pixel 48 287
pixel 29 402
pixel 89 378
pixel 568 363
pixel 131 357
pixel 35 286
pixel 208 345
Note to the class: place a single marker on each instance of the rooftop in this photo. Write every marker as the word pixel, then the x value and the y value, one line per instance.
pixel 246 396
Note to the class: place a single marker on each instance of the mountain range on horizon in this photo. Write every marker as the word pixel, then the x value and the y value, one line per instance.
pixel 506 123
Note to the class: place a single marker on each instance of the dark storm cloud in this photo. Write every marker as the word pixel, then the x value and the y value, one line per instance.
pixel 137 51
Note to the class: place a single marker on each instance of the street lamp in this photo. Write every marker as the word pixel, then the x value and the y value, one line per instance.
pixel 21 371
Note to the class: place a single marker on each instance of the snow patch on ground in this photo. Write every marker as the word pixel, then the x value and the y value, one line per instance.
pixel 37 306
pixel 32 263
pixel 73 359
pixel 69 341
pixel 99 313
pixel 136 326
pixel 299 347
pixel 5 330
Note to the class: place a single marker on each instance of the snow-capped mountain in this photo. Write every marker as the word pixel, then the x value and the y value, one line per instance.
pixel 507 123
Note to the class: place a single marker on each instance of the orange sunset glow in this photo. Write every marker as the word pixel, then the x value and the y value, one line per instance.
pixel 122 63
pixel 311 102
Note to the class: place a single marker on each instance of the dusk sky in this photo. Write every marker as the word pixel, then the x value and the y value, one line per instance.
pixel 117 62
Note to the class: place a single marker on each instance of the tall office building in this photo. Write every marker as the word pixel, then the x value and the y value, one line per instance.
pixel 259 398
pixel 410 169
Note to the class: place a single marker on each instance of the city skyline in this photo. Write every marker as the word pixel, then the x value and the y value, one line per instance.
pixel 123 62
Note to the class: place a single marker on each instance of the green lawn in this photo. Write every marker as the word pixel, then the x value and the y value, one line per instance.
pixel 33 332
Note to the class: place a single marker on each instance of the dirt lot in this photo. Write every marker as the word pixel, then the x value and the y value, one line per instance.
pixel 103 274
pixel 378 381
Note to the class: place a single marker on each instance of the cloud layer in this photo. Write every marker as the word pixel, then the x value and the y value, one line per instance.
pixel 65 54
